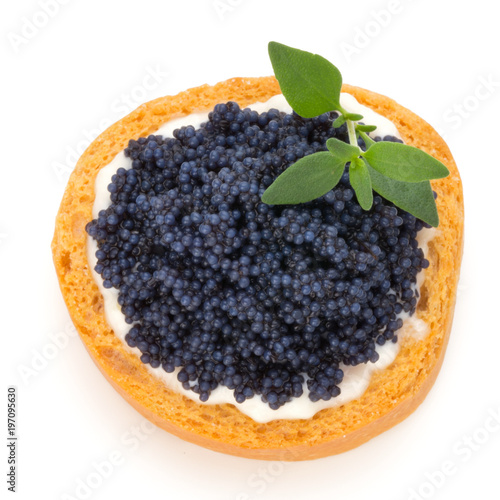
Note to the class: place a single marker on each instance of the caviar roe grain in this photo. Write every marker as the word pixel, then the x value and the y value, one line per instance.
pixel 238 293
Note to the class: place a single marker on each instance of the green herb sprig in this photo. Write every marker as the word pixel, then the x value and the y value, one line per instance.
pixel 396 171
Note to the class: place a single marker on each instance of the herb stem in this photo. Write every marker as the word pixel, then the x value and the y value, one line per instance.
pixel 368 140
pixel 351 130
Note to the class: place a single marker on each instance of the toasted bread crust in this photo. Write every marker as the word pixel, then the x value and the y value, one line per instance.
pixel 393 393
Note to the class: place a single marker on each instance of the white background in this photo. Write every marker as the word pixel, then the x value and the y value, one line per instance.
pixel 69 73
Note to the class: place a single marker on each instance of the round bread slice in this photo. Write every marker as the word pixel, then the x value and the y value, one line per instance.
pixel 393 393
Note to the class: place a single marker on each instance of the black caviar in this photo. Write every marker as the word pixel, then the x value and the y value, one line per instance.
pixel 254 297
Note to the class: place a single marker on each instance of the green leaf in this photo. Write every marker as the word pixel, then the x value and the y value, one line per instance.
pixel 361 183
pixel 365 128
pixel 416 198
pixel 353 116
pixel 339 121
pixel 307 179
pixel 309 82
pixel 404 163
pixel 342 150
